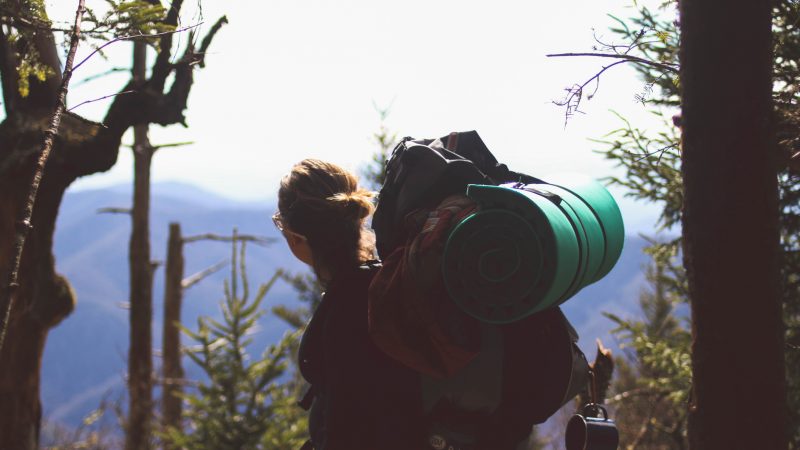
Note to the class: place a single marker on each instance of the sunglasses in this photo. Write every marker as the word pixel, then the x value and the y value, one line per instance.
pixel 277 220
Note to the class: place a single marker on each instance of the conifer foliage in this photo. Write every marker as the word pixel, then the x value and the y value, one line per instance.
pixel 651 159
pixel 243 403
pixel 652 384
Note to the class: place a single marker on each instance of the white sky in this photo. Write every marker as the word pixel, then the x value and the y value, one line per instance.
pixel 289 79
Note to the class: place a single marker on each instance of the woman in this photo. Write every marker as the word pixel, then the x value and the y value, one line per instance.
pixel 362 399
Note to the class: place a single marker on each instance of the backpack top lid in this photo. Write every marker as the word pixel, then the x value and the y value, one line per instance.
pixel 421 173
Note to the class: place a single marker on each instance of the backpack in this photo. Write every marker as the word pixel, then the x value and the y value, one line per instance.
pixel 421 173
pixel 483 384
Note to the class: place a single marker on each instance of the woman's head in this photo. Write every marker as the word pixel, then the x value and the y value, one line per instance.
pixel 322 211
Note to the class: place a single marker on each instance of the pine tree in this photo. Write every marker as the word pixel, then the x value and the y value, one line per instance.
pixel 652 383
pixel 244 403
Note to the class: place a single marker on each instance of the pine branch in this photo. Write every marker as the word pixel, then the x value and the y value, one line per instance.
pixel 24 224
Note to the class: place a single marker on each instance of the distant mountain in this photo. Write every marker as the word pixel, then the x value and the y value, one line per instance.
pixel 86 355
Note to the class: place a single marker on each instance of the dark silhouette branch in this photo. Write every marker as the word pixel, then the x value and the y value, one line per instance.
pixel 572 100
pixel 659 151
pixel 24 223
pixel 174 144
pixel 575 94
pixel 101 98
pixel 667 67
pixel 150 104
pixel 161 68
pixel 101 75
pixel 160 146
pixel 209 37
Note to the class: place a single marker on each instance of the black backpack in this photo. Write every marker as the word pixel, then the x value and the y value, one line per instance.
pixel 541 364
pixel 421 172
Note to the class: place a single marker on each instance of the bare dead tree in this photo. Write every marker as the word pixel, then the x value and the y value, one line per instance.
pixel 175 286
pixel 140 364
pixel 140 355
pixel 171 368
pixel 602 370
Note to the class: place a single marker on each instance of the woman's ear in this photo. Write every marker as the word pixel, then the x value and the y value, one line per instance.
pixel 299 246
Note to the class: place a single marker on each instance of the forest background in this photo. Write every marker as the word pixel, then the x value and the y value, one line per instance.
pixel 317 93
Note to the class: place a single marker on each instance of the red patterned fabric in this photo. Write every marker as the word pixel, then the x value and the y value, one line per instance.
pixel 411 317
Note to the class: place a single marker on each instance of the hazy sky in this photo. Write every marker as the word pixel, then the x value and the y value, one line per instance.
pixel 289 79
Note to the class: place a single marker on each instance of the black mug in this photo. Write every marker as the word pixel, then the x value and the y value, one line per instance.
pixel 588 432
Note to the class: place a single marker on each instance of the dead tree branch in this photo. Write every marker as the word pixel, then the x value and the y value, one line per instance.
pixel 101 98
pixel 572 100
pixel 173 144
pixel 193 279
pixel 24 224
pixel 160 146
pixel 602 370
pixel 575 94
pixel 161 67
pixel 258 240
pixel 114 210
pixel 209 37
pixel 101 75
pixel 667 67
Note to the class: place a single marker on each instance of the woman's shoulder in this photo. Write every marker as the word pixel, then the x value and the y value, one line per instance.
pixel 353 280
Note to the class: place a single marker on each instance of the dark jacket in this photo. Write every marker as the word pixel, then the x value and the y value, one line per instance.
pixel 363 400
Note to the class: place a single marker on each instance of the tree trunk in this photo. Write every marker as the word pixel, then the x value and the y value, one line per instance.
pixel 172 372
pixel 730 226
pixel 140 353
pixel 81 147
pixel 42 301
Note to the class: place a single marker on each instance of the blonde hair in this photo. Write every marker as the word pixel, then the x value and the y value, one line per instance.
pixel 323 202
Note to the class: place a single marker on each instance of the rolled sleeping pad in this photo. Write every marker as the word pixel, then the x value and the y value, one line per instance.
pixel 530 247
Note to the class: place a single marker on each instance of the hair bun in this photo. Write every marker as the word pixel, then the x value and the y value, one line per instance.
pixel 356 205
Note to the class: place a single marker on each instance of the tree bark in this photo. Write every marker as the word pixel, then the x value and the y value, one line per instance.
pixel 23 221
pixel 730 226
pixel 172 371
pixel 80 148
pixel 140 353
pixel 19 392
